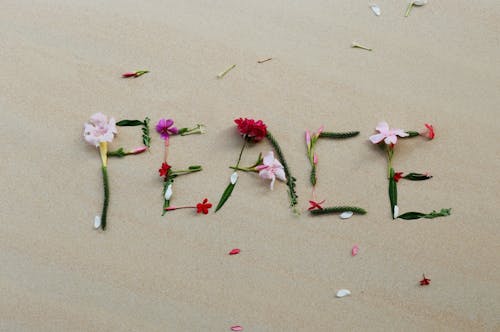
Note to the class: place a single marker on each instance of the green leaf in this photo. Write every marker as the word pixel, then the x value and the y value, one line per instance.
pixel 431 215
pixel 338 209
pixel 129 123
pixel 313 175
pixel 225 196
pixel 346 134
pixel 417 177
pixel 393 191
pixel 412 134
pixel 117 153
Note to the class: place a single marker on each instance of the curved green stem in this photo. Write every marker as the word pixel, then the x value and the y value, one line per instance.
pixel 106 197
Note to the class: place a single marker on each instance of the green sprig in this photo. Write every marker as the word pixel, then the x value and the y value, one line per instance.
pixel 338 209
pixel 106 197
pixel 393 191
pixel 290 180
pixel 431 215
pixel 340 135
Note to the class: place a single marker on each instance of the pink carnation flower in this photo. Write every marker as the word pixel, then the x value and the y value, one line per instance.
pixel 271 169
pixel 99 129
pixel 389 136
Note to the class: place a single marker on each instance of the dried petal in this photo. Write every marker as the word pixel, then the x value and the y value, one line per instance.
pixel 234 178
pixel 97 222
pixel 343 293
pixel 236 328
pixel 419 2
pixel 346 215
pixel 376 9
pixel 354 250
pixel 235 251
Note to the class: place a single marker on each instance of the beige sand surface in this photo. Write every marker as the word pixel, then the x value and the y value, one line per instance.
pixel 60 62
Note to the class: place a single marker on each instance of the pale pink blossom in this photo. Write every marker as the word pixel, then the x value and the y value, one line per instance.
pixel 99 129
pixel 386 134
pixel 271 169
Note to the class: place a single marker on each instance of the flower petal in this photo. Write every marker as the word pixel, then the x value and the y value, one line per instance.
pixel 400 132
pixel 234 178
pixel 382 127
pixel 97 222
pixel 280 174
pixel 377 138
pixel 354 250
pixel 168 192
pixel 235 251
pixel 342 293
pixel 236 328
pixel 346 215
pixel 392 139
pixel 269 158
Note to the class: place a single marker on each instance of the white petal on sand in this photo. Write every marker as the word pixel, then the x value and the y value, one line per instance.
pixel 376 10
pixel 97 222
pixel 343 293
pixel 419 2
pixel 346 215
pixel 168 192
pixel 396 211
pixel 234 178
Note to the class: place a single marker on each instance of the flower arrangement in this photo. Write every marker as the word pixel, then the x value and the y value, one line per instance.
pixel 269 167
pixel 387 138
pixel 166 129
pixel 99 131
pixel 315 206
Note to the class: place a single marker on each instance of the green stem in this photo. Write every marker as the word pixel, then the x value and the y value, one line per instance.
pixel 106 197
pixel 244 169
pixel 338 209
pixel 241 153
pixel 410 6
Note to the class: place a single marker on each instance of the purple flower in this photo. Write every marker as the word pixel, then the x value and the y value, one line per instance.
pixel 166 128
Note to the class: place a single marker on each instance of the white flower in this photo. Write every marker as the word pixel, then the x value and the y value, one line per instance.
pixel 99 129
pixel 271 169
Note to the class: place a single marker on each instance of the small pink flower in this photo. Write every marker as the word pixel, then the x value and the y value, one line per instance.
pixel 236 328
pixel 315 159
pixel 308 139
pixel 99 129
pixel 389 136
pixel 166 128
pixel 429 133
pixel 271 169
pixel 354 250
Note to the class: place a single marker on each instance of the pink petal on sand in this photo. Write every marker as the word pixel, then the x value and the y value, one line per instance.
pixel 236 328
pixel 355 250
pixel 235 251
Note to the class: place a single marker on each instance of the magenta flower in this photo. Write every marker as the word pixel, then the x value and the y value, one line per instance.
pixel 271 169
pixel 389 136
pixel 166 128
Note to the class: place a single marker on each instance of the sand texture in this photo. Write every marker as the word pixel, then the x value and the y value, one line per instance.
pixel 61 61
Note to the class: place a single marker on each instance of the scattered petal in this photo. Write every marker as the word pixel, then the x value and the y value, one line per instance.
pixel 168 192
pixel 235 251
pixel 425 281
pixel 376 9
pixel 346 215
pixel 342 293
pixel 234 178
pixel 97 222
pixel 354 250
pixel 236 328
pixel 396 211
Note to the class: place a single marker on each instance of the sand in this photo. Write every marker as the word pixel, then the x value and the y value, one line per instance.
pixel 61 61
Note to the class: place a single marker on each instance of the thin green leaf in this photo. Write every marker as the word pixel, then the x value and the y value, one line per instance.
pixel 338 209
pixel 129 123
pixel 417 177
pixel 393 191
pixel 225 196
pixel 431 215
pixel 117 153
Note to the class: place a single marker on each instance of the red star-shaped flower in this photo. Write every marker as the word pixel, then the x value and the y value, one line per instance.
pixel 203 206
pixel 315 205
pixel 425 281
pixel 164 169
pixel 398 176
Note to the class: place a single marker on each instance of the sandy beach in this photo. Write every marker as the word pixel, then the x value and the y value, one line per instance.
pixel 61 61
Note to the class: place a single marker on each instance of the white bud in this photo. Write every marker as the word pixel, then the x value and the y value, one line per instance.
pixel 168 192
pixel 234 178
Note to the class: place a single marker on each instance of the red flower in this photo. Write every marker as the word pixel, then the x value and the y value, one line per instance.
pixel 203 206
pixel 315 205
pixel 430 131
pixel 164 169
pixel 251 130
pixel 398 176
pixel 425 281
